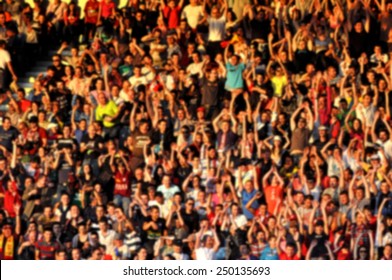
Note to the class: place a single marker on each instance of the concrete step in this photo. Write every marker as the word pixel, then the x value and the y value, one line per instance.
pixel 39 67
pixel 23 84
pixel 66 52
pixel 32 74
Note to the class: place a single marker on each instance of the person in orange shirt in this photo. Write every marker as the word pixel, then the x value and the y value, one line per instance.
pixel 273 189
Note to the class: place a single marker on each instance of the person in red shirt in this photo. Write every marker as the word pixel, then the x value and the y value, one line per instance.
pixel 91 11
pixel 107 11
pixel 11 198
pixel 46 248
pixel 290 253
pixel 122 186
pixel 171 13
pixel 36 136
pixel 273 191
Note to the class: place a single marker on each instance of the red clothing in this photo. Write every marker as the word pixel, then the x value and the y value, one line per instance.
pixel 335 129
pixel 324 114
pixel 343 255
pixel 91 12
pixel 273 194
pixel 107 9
pixel 283 256
pixel 24 104
pixel 47 250
pixel 11 199
pixel 172 16
pixel 122 184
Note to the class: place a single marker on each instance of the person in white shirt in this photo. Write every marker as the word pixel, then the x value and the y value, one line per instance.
pixel 206 246
pixel 5 61
pixel 193 13
pixel 167 189
pixel 195 68
pixel 106 236
pixel 365 111
pixel 382 139
pixel 137 78
pixel 159 202
pixel 216 23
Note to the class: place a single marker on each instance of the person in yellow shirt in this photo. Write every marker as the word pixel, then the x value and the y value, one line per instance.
pixel 107 112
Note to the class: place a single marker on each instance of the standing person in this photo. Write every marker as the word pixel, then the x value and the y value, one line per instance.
pixel 234 80
pixel 106 236
pixel 107 12
pixel 206 246
pixel 273 191
pixel 71 23
pixel 193 13
pixel 90 19
pixel 154 227
pixel 301 131
pixel 54 16
pixel 171 13
pixel 5 63
pixel 107 112
pixel 212 91
pixel 122 186
pixel 216 28
pixel 140 138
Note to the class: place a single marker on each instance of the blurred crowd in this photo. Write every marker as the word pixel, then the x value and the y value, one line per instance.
pixel 213 129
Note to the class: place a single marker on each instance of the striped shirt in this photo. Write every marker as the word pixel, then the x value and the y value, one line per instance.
pixel 47 250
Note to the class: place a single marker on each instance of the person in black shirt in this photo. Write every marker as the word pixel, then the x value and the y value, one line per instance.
pixel 302 57
pixel 139 26
pixel 212 90
pixel 91 146
pixel 63 97
pixel 155 228
pixel 58 67
pixel 8 134
pixel 190 216
pixel 359 39
pixel 162 137
pixel 26 250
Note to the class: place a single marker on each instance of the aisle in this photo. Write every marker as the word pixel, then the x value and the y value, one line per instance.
pixel 40 66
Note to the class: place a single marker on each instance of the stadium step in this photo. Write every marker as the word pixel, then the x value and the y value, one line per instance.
pixel 40 67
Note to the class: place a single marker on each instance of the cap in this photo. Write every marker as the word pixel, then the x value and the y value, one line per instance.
pixel 8 222
pixel 375 157
pixel 201 109
pixel 323 127
pixel 52 125
pixel 277 138
pixel 178 242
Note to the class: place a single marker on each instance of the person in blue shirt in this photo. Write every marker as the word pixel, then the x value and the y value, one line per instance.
pixel 249 192
pixel 234 67
pixel 270 252
pixel 384 200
